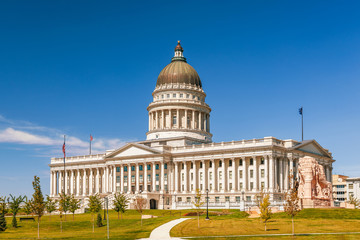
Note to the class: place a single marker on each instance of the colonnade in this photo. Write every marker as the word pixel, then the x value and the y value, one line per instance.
pixel 179 119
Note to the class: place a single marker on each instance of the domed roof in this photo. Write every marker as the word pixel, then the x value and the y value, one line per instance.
pixel 178 71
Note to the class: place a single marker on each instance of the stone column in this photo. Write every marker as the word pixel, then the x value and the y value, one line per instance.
pixel 213 181
pixel 106 174
pixel 205 122
pixel 122 178
pixel 149 121
pixel 77 182
pixel 66 182
pixel 234 175
pixel 137 179
pixel 156 120
pixel 114 179
pixel 193 119
pixel 256 175
pixel 223 169
pixel 291 170
pixel 51 183
pixel 266 173
pixel 199 121
pixel 176 182
pixel 145 177
pixel 153 177
pixel 196 180
pixel 71 182
pixel 245 174
pixel 84 183
pixel 60 182
pixel 129 178
pixel 204 176
pixel 186 119
pixel 171 120
pixel 177 118
pixel 286 180
pixel 271 173
pixel 162 180
pixel 91 182
pixel 185 177
pixel 281 174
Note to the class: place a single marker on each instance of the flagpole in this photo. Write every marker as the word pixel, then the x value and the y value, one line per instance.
pixel 302 124
pixel 64 167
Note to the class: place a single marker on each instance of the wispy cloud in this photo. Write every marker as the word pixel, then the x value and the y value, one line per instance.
pixel 50 140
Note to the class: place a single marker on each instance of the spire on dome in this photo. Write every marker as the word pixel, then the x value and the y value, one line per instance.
pixel 178 53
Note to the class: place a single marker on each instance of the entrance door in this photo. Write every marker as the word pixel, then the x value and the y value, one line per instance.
pixel 153 204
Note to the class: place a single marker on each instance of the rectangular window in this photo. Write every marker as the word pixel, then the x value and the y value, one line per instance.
pixel 125 168
pixel 210 186
pixel 191 165
pixel 187 95
pixel 141 178
pixel 157 177
pixel 140 167
pixel 118 179
pixel 220 186
pixel 227 199
pixel 174 120
pixel 251 186
pixel 240 174
pixel 220 176
pixel 237 199
pixel 200 164
pixel 188 199
pixel 125 179
pixel 251 161
pixel 157 166
pixel 351 186
pixel 148 167
pixel 181 95
pixel 251 173
pixel 262 172
pixel 230 163
pixel 133 178
pixel 240 162
pixel 210 175
pixel 179 199
pixel 262 161
pixel 192 176
pixel 217 199
pixel 167 201
pixel 230 174
pixel 201 176
pixel 125 189
pixel 241 185
pixel 132 168
pixel 194 96
pixel 192 187
pixel 248 198
pixel 210 165
pixel 174 95
pixel 182 177
pixel 162 96
pixel 149 178
pixel 182 166
pixel 166 188
pixel 165 177
pixel 201 188
pixel 117 169
pixel 165 166
pixel 168 95
pixel 220 163
pixel 157 188
pixel 230 186
pixel 262 185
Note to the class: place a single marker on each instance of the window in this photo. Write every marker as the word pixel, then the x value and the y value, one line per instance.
pixel 140 167
pixel 201 176
pixel 210 165
pixel 230 163
pixel 237 199
pixel 240 162
pixel 182 177
pixel 157 177
pixel 125 168
pixel 157 188
pixel 165 166
pixel 187 95
pixel 262 172
pixel 241 185
pixel 148 167
pixel 194 96
pixel 227 199
pixel 125 188
pixel 201 187
pixel 262 161
pixel 251 161
pixel 192 176
pixel 230 174
pixel 217 199
pixel 141 178
pixel 248 198
pixel 167 201
pixel 182 166
pixel 181 95
pixel 200 164
pixel 174 120
pixel 251 186
pixel 132 168
pixel 198 98
pixel 210 175
pixel 133 178
pixel 188 199
pixel 192 187
pixel 220 163
pixel 166 188
pixel 220 186
pixel 230 186
pixel 117 179
pixel 251 173
pixel 262 185
pixel 220 175
pixel 351 186
pixel 149 178
pixel 162 96
pixel 117 169
pixel 168 95
pixel 240 174
pixel 165 176
pixel 179 199
pixel 210 186
pixel 157 166
pixel 191 165
pixel 174 95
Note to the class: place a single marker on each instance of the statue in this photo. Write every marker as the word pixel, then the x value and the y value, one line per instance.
pixel 314 189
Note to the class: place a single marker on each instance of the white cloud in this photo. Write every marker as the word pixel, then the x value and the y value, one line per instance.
pixel 15 136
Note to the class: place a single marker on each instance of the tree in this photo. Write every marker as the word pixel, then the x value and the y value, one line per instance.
pixel 140 204
pixel 198 203
pixel 28 207
pixel 120 202
pixel 265 210
pixel 38 203
pixel 292 201
pixel 94 206
pixel 2 222
pixel 74 205
pixel 99 220
pixel 353 200
pixel 64 203
pixel 3 206
pixel 14 206
pixel 50 205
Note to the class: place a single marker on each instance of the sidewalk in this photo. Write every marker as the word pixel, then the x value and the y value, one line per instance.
pixel 163 231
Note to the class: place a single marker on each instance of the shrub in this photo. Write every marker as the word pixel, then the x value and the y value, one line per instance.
pixel 99 220
pixel 2 222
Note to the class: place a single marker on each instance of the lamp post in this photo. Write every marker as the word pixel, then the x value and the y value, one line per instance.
pixel 207 205
pixel 163 197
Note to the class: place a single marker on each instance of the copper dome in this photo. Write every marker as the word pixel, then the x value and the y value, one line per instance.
pixel 178 71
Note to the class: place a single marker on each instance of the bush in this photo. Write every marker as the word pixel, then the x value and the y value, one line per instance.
pixel 2 223
pixel 99 220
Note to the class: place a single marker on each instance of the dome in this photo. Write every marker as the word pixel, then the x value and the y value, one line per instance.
pixel 178 71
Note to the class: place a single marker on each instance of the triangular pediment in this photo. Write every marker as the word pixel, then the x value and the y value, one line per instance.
pixel 311 146
pixel 132 149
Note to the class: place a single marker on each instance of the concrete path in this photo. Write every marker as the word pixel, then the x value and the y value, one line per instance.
pixel 163 231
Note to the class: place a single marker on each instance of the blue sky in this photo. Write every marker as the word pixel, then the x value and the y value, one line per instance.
pixel 81 67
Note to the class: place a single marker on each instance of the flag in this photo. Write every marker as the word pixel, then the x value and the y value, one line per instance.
pixel 91 138
pixel 63 148
pixel 301 111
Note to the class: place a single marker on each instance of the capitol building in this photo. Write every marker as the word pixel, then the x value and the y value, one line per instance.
pixel 178 156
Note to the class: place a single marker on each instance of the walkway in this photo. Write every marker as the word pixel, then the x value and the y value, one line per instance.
pixel 163 231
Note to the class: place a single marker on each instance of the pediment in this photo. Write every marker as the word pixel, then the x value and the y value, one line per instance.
pixel 132 149
pixel 312 147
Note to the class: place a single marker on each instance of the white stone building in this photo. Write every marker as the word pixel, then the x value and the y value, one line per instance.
pixel 353 187
pixel 178 155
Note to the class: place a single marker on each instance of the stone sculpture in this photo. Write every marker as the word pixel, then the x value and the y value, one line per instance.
pixel 314 190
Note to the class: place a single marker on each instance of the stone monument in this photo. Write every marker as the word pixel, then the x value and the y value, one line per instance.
pixel 314 191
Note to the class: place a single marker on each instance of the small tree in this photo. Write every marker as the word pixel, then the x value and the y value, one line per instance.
pixel 353 200
pixel 120 203
pixel 74 205
pixel 38 203
pixel 265 210
pixel 50 205
pixel 14 205
pixel 99 220
pixel 140 204
pixel 64 203
pixel 94 206
pixel 28 207
pixel 292 201
pixel 2 222
pixel 198 203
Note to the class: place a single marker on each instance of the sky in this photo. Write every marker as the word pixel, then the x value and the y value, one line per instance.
pixel 77 68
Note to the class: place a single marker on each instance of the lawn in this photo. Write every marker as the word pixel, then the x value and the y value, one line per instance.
pixel 307 221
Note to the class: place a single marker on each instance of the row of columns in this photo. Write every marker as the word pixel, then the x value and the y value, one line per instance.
pixel 163 119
